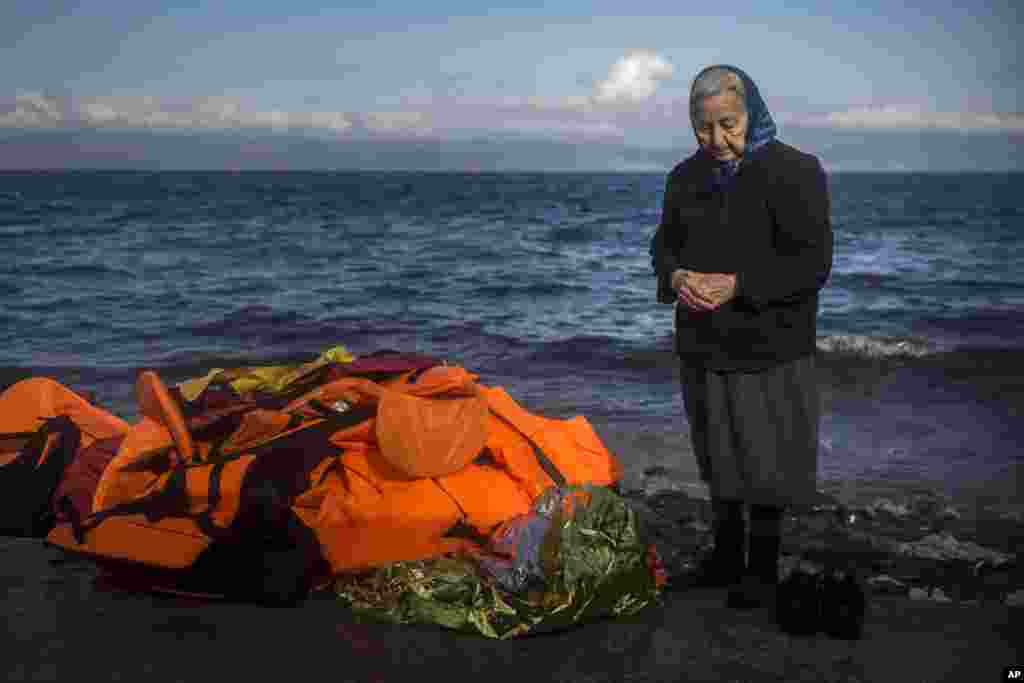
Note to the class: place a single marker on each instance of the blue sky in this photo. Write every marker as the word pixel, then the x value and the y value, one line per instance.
pixel 865 86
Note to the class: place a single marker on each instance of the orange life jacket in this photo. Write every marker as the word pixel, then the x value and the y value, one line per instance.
pixel 44 429
pixel 403 469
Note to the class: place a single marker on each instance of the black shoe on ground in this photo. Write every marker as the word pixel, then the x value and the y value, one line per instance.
pixel 798 604
pixel 843 605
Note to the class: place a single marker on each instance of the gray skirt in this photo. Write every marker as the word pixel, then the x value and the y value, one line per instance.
pixel 755 435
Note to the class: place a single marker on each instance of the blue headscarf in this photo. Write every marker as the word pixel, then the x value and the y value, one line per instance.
pixel 760 129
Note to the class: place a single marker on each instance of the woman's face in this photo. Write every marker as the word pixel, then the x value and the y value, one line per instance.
pixel 721 126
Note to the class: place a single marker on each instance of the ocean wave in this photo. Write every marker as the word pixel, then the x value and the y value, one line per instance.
pixel 869 280
pixel 17 225
pixel 244 284
pixel 986 286
pixel 958 326
pixel 875 347
pixel 48 305
pixel 264 331
pixel 248 320
pixel 577 348
pixel 9 320
pixel 131 214
pixel 603 353
pixel 594 372
pixel 77 270
pixel 392 291
pixel 580 233
pixel 531 289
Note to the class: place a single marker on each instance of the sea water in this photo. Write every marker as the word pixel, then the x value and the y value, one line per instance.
pixel 541 283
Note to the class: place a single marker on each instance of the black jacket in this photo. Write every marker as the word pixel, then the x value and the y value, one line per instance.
pixel 774 231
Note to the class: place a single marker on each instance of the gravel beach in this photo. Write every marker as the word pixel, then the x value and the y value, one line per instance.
pixel 932 619
pixel 62 625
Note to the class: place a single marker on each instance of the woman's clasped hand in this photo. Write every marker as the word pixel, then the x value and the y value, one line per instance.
pixel 703 291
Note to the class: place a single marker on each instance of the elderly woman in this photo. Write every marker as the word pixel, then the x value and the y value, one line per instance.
pixel 743 248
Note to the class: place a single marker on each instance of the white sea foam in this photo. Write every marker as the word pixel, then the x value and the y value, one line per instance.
pixel 875 347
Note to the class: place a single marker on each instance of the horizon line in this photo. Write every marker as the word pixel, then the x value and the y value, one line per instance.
pixel 465 171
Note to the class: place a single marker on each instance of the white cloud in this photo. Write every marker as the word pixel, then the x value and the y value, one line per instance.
pixel 598 130
pixel 633 78
pixel 333 121
pixel 897 117
pixel 397 122
pixel 33 110
pixel 594 117
pixel 214 113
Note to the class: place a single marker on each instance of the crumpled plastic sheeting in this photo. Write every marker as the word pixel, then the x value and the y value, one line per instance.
pixel 946 547
pixel 447 591
pixel 270 379
pixel 522 540
pixel 588 563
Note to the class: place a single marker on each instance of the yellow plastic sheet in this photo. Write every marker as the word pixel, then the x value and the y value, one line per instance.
pixel 272 379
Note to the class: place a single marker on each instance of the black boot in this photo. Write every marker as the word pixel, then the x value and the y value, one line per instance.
pixel 798 608
pixel 758 586
pixel 843 604
pixel 725 565
pixel 765 542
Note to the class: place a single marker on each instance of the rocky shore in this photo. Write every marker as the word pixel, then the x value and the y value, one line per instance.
pixel 922 548
pixel 945 596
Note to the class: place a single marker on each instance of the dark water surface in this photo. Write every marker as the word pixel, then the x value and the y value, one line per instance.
pixel 539 282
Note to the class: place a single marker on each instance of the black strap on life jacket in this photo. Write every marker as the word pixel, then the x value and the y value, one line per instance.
pixel 29 482
pixel 161 503
pixel 29 445
pixel 323 427
pixel 67 508
pixel 51 471
pixel 417 373
pixel 461 528
pixel 166 500
pixel 468 532
pixel 221 431
pixel 326 425
pixel 20 437
pixel 545 462
pixel 205 519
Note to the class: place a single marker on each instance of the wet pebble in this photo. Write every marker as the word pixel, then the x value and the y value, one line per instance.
pixel 883 583
pixel 883 505
pixel 917 594
pixel 950 513
pixel 933 593
pixel 947 547
pixel 1015 599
